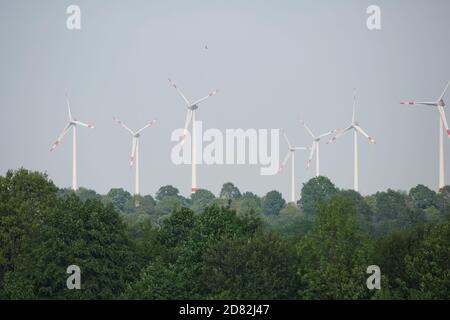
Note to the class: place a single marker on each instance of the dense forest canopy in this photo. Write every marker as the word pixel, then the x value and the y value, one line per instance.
pixel 234 246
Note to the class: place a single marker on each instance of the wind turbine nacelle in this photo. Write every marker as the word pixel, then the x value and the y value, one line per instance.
pixel 441 103
pixel 194 107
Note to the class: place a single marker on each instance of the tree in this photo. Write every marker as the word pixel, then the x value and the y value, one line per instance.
pixel 429 267
pixel 177 228
pixel 160 281
pixel 335 254
pixel 423 197
pixel 88 235
pixel 118 197
pixel 167 205
pixel 229 192
pixel 316 191
pixel 146 205
pixel 166 191
pixel 272 203
pixel 82 193
pixel 291 222
pixel 25 199
pixel 249 203
pixel 393 213
pixel 177 272
pixel 443 200
pixel 390 253
pixel 364 212
pixel 201 199
pixel 261 266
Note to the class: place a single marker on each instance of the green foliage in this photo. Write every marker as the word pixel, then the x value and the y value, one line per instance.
pixel 416 262
pixel 314 192
pixel 118 197
pixel 261 266
pixel 249 203
pixel 272 203
pixel 390 253
pixel 177 228
pixel 291 222
pixel 365 215
pixel 167 205
pixel 25 198
pixel 393 213
pixel 167 191
pixel 201 199
pixel 178 273
pixel 335 255
pixel 422 197
pixel 230 192
pixel 238 246
pixel 429 267
pixel 88 235
pixel 140 205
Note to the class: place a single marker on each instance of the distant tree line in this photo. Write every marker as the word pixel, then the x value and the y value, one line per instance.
pixel 234 246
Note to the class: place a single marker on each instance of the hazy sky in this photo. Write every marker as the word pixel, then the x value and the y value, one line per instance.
pixel 275 62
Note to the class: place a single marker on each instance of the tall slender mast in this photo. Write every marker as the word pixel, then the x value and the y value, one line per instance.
pixel 356 164
pixel 441 155
pixel 317 160
pixel 74 159
pixel 136 186
pixel 293 178
pixel 194 154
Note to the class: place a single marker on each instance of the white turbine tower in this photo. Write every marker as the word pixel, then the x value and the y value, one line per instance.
pixel 291 153
pixel 190 117
pixel 315 147
pixel 134 159
pixel 73 123
pixel 439 104
pixel 356 129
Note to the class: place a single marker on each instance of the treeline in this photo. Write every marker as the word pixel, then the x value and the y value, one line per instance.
pixel 234 246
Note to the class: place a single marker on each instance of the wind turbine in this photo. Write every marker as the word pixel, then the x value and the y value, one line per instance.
pixel 354 125
pixel 190 116
pixel 315 146
pixel 291 153
pixel 134 159
pixel 442 124
pixel 73 123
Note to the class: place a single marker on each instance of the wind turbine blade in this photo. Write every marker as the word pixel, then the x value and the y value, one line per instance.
pixel 360 130
pixel 133 151
pixel 307 129
pixel 173 84
pixel 146 126
pixel 328 133
pixel 354 106
pixel 412 103
pixel 212 93
pixel 61 136
pixel 444 120
pixel 123 125
pixel 286 159
pixel 339 134
pixel 287 140
pixel 90 126
pixel 311 154
pixel 186 123
pixel 443 93
pixel 68 107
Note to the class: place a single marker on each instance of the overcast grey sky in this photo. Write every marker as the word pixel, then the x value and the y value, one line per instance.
pixel 275 62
